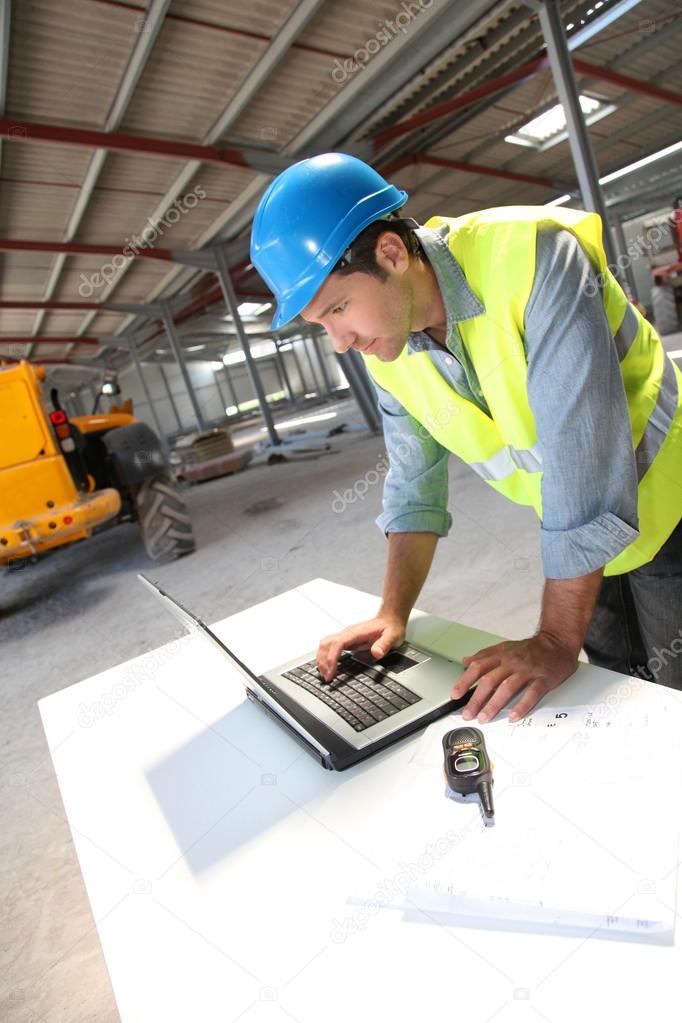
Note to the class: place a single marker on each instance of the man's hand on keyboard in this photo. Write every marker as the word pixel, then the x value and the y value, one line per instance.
pixel 380 634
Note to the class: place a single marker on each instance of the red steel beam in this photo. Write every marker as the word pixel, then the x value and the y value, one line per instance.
pixel 44 362
pixel 228 29
pixel 27 131
pixel 52 339
pixel 79 249
pixel 466 99
pixel 99 306
pixel 59 305
pixel 469 168
pixel 518 75
pixel 633 84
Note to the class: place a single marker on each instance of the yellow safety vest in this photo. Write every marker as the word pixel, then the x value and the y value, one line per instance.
pixel 496 250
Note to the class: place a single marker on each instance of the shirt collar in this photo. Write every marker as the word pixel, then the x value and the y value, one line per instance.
pixel 459 300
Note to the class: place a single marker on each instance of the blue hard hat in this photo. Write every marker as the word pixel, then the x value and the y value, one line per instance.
pixel 306 220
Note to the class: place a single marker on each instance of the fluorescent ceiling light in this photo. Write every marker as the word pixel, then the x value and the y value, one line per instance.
pixel 195 348
pixel 640 163
pixel 303 419
pixel 546 129
pixel 614 175
pixel 558 202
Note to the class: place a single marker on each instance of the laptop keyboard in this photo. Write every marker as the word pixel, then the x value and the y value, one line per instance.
pixel 360 695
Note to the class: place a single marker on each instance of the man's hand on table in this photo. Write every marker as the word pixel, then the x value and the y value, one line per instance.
pixel 378 634
pixel 535 665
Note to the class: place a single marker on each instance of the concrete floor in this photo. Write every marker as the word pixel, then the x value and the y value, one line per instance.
pixel 82 610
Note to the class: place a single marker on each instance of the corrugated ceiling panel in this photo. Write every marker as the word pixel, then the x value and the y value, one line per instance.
pixel 62 322
pixel 262 17
pixel 301 86
pixel 16 321
pixel 124 219
pixel 139 171
pixel 33 212
pixel 67 60
pixel 54 353
pixel 633 28
pixel 85 279
pixel 34 161
pixel 190 77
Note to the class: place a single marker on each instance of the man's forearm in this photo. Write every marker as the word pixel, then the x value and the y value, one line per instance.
pixel 409 560
pixel 567 608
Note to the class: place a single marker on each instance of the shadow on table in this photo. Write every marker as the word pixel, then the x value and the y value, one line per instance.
pixel 235 781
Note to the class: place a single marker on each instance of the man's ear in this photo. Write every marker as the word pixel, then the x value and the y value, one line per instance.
pixel 391 253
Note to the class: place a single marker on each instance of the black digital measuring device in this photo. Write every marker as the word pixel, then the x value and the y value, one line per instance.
pixel 467 767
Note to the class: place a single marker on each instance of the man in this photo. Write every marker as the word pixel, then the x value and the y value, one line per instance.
pixel 501 337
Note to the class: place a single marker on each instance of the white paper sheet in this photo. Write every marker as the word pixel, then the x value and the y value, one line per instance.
pixel 587 820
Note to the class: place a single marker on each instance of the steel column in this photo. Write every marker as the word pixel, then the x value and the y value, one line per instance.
pixel 223 272
pixel 152 407
pixel 278 371
pixel 299 367
pixel 323 368
pixel 358 386
pixel 179 355
pixel 171 399
pixel 235 400
pixel 220 392
pixel 578 136
pixel 306 348
pixel 219 389
pixel 283 373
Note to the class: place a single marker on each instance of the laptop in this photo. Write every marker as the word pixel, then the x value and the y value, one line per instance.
pixel 369 705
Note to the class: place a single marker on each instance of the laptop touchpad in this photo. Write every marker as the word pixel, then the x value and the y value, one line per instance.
pixel 394 661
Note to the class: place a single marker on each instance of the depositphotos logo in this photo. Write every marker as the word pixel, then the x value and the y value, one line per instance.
pixel 388 30
pixel 148 235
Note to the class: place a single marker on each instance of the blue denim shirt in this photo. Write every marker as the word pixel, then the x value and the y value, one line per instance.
pixel 576 392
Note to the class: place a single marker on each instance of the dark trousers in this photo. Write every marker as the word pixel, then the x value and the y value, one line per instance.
pixel 637 625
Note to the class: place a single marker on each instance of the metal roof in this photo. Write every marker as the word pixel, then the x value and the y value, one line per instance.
pixel 265 84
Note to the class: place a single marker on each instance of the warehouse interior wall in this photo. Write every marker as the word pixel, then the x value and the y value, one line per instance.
pixel 213 390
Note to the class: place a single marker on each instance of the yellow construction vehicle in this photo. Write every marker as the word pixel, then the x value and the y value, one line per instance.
pixel 62 478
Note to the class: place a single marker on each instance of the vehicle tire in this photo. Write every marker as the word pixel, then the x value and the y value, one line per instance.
pixel 664 309
pixel 164 523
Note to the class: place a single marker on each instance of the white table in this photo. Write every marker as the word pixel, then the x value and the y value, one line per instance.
pixel 216 852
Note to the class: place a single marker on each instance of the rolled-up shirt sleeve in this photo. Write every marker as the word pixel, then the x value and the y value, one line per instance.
pixel 415 494
pixel 576 392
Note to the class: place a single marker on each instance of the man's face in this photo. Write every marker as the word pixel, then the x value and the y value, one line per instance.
pixel 360 311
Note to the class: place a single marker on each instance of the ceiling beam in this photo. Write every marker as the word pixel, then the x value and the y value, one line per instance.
pixel 606 74
pixel 80 249
pixel 47 339
pixel 465 99
pixel 140 145
pixel 468 168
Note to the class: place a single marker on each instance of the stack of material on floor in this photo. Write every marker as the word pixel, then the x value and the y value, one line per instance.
pixel 203 456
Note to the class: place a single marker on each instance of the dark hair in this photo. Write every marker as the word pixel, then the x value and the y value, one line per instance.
pixel 360 256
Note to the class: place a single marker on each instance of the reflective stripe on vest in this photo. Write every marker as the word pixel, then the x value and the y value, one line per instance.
pixel 506 461
pixel 659 422
pixel 626 333
pixel 496 250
